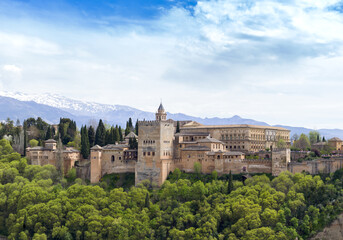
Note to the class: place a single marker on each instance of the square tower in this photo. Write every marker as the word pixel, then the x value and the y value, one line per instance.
pixel 155 150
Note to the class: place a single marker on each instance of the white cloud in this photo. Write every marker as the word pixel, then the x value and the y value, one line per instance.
pixel 276 61
pixel 12 68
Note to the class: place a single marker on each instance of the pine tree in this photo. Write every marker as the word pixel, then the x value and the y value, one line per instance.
pixel 91 136
pixel 324 140
pixel 136 127
pixel 100 134
pixel 230 184
pixel 85 149
pixel 147 201
pixel 318 138
pixel 177 127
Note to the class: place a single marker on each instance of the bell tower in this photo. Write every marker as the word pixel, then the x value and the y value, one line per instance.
pixel 161 114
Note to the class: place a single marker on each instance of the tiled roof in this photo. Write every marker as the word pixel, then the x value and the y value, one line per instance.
pixel 50 141
pixel 131 135
pixel 192 134
pixel 335 139
pixel 209 140
pixel 196 148
pixel 233 153
pixel 115 147
pixel 233 126
pixel 96 147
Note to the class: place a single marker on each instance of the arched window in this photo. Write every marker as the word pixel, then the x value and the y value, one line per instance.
pixel 112 158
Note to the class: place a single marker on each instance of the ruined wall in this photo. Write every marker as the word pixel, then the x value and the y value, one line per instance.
pixel 280 160
pixel 113 162
pixel 83 170
pixel 316 166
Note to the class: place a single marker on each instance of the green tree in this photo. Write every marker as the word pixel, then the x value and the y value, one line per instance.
pixel 100 134
pixel 303 143
pixel 91 136
pixel 314 137
pixel 33 143
pixel 197 168
pixel 147 200
pixel 214 175
pixel 48 133
pixel 177 127
pixel 85 148
pixel 136 128
pixel 120 134
pixel 281 144
pixel 230 184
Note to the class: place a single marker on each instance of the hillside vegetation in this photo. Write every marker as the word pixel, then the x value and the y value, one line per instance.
pixel 36 203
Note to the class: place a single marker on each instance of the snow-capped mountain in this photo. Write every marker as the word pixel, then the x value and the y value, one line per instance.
pixel 50 107
pixel 114 114
pixel 73 106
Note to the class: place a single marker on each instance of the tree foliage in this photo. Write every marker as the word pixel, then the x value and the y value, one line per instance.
pixel 36 204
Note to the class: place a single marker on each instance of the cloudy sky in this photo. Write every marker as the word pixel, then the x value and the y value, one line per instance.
pixel 274 61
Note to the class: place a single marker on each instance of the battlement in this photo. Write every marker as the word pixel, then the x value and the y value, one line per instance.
pixel 257 161
pixel 148 123
pixel 280 149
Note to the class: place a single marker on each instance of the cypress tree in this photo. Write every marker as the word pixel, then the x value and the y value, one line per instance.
pixel 91 136
pixel 127 129
pixel 25 136
pixel 113 137
pixel 177 127
pixel 230 184
pixel 108 136
pixel 133 144
pixel 117 135
pixel 84 142
pixel 61 129
pixel 324 140
pixel 48 133
pixel 130 124
pixel 120 134
pixel 318 138
pixel 147 200
pixel 136 128
pixel 100 134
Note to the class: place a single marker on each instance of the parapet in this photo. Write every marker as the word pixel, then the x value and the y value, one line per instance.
pixel 148 123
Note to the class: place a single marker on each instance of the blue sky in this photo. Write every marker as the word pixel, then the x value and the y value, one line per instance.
pixel 275 61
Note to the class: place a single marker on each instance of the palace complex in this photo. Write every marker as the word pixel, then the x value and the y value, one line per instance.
pixel 161 149
pixel 220 148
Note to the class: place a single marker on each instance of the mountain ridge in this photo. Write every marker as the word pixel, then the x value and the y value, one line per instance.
pixel 52 106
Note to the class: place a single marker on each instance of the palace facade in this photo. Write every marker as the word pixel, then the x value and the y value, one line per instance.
pixel 221 148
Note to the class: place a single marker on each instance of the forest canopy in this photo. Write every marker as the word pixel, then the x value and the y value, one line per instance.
pixel 37 203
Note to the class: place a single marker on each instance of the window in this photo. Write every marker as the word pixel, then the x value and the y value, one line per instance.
pixel 153 153
pixel 119 158
pixel 148 153
pixel 112 158
pixel 143 153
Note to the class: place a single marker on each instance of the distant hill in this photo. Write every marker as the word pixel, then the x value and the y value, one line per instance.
pixel 51 107
pixel 15 109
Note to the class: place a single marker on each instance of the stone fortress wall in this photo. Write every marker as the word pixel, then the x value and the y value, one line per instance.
pixel 160 150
